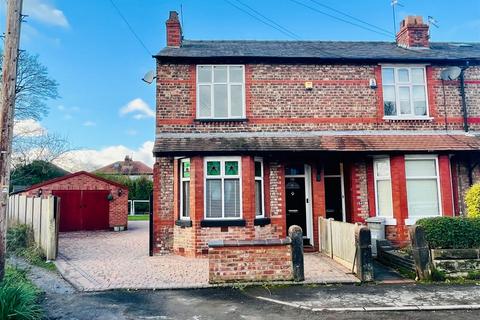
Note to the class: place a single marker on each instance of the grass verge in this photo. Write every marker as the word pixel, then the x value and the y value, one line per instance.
pixel 139 217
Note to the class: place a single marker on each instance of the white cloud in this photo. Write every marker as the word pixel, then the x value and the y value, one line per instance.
pixel 45 12
pixel 91 159
pixel 131 132
pixel 139 108
pixel 28 128
pixel 89 123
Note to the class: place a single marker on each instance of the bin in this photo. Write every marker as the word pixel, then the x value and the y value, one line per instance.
pixel 377 230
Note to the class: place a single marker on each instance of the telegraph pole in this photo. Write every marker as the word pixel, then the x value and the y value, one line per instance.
pixel 9 80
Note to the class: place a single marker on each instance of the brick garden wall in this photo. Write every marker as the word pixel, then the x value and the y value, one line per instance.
pixel 250 263
pixel 118 206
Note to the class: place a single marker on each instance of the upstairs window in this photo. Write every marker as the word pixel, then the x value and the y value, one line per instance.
pixel 220 92
pixel 404 92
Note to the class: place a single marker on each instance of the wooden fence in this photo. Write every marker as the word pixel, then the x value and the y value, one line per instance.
pixel 337 240
pixel 41 214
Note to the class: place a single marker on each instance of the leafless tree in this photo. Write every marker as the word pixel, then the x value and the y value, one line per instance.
pixel 30 144
pixel 34 87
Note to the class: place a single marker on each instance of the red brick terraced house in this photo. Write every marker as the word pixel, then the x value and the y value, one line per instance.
pixel 255 136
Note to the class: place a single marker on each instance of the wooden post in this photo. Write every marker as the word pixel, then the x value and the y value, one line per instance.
pixel 364 254
pixel 420 252
pixel 296 234
pixel 9 80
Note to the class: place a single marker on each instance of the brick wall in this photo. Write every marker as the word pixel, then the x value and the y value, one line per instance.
pixel 250 263
pixel 118 206
pixel 340 100
pixel 163 213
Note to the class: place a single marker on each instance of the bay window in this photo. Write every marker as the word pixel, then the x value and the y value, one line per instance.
pixel 423 191
pixel 259 192
pixel 383 187
pixel 223 188
pixel 220 92
pixel 185 189
pixel 404 92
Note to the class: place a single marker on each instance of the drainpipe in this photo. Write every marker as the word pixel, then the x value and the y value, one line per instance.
pixel 464 102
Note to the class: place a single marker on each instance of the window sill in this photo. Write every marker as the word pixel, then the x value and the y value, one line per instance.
pixel 261 221
pixel 387 118
pixel 210 120
pixel 183 223
pixel 223 223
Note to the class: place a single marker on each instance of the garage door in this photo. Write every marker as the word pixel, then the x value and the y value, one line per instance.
pixel 83 209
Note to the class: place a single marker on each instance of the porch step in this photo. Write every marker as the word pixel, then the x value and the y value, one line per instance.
pixel 308 248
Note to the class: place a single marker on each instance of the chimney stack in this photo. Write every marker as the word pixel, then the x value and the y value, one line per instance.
pixel 413 33
pixel 174 30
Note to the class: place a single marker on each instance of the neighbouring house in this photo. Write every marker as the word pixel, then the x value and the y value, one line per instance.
pixel 128 167
pixel 87 202
pixel 255 136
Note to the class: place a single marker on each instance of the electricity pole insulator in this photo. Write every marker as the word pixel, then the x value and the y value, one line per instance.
pixel 9 80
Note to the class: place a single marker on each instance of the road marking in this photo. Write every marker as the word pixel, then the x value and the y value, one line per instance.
pixel 366 309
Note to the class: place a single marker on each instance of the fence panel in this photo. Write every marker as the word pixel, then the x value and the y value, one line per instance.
pixel 39 214
pixel 337 240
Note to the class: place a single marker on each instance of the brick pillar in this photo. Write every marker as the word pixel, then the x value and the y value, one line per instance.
pixel 446 185
pixel 174 30
pixel 318 195
pixel 399 195
pixel 196 200
pixel 248 193
pixel 277 197
pixel 371 188
pixel 163 214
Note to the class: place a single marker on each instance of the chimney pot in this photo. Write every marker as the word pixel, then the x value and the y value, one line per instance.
pixel 174 30
pixel 413 33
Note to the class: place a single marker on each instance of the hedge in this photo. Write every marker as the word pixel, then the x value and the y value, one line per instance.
pixel 451 233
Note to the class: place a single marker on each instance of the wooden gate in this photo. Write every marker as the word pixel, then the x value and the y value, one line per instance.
pixel 337 240
pixel 83 209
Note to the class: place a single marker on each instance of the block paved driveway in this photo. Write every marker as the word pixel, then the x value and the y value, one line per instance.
pixel 104 260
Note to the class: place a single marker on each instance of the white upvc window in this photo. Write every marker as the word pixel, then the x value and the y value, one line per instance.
pixel 259 189
pixel 223 188
pixel 423 187
pixel 383 187
pixel 220 92
pixel 404 92
pixel 184 189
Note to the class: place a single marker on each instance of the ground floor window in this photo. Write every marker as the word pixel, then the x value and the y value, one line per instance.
pixel 222 187
pixel 422 186
pixel 383 187
pixel 185 189
pixel 259 192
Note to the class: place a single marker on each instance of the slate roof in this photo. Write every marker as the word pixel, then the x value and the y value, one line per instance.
pixel 329 50
pixel 314 143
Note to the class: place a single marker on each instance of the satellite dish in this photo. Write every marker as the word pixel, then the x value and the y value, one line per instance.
pixel 149 76
pixel 450 73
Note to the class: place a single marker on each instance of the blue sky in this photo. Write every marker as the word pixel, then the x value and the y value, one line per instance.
pixel 98 63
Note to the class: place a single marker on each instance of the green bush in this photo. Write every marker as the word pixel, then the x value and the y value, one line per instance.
pixel 451 232
pixel 473 275
pixel 20 242
pixel 19 238
pixel 18 297
pixel 438 276
pixel 472 201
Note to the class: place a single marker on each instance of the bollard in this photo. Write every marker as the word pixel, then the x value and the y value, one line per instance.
pixel 420 252
pixel 296 234
pixel 364 259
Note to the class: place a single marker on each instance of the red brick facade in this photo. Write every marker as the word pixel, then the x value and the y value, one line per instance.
pixel 118 206
pixel 276 101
